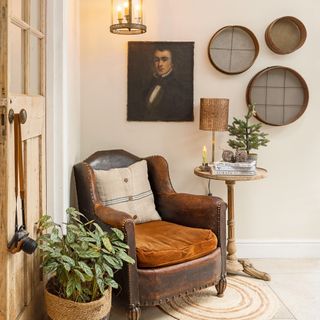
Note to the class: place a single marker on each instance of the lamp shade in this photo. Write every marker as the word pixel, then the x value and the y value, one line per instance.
pixel 214 114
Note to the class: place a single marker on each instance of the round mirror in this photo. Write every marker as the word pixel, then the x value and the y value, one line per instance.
pixel 233 49
pixel 280 95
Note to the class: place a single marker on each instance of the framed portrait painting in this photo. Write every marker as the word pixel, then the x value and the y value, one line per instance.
pixel 160 81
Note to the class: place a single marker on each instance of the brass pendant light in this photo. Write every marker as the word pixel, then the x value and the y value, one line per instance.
pixel 127 17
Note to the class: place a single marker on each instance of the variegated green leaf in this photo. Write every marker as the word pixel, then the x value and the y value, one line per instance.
pixel 68 260
pixel 98 271
pixel 100 283
pixel 50 267
pixel 98 228
pixel 80 275
pixel 71 286
pixel 112 283
pixel 70 237
pixel 120 244
pixel 66 266
pixel 89 254
pixel 84 246
pixel 118 233
pixel 85 268
pixel 125 257
pixel 108 270
pixel 87 239
pixel 107 244
pixel 112 262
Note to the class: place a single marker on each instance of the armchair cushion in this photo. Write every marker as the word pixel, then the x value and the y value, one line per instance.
pixel 162 243
pixel 128 190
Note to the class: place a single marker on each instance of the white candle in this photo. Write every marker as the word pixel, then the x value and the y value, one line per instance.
pixel 120 15
pixel 137 11
pixel 204 155
pixel 126 8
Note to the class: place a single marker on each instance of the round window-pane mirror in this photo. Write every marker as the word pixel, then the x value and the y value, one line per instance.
pixel 280 95
pixel 233 49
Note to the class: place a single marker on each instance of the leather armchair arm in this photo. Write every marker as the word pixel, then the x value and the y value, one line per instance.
pixel 122 221
pixel 193 210
pixel 112 217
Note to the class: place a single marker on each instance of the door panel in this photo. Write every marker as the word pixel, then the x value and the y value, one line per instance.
pixel 17 8
pixel 35 14
pixel 35 74
pixel 16 60
pixel 24 275
pixel 22 65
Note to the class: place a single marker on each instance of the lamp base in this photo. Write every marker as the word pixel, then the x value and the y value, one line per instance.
pixel 213 143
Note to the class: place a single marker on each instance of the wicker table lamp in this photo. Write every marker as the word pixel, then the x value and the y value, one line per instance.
pixel 214 116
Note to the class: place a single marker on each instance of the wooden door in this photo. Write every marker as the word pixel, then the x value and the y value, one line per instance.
pixel 22 86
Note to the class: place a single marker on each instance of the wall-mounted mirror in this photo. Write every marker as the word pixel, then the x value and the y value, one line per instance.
pixel 280 95
pixel 233 49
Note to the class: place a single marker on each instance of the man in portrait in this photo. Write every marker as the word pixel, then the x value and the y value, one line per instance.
pixel 162 90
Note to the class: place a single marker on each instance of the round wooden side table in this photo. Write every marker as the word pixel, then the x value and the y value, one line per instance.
pixel 235 265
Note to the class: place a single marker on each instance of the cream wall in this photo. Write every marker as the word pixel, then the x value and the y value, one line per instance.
pixel 282 209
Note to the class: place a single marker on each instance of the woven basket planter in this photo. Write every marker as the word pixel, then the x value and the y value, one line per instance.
pixel 63 309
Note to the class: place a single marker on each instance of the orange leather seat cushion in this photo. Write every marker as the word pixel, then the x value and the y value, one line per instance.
pixel 162 243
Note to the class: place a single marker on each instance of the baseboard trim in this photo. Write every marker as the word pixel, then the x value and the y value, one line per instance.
pixel 278 248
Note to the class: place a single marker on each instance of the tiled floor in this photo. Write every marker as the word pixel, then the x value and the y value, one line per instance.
pixel 295 281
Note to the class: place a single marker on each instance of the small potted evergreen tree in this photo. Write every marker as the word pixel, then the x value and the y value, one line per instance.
pixel 80 265
pixel 247 136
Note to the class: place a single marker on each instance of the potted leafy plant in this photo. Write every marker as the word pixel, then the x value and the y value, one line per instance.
pixel 81 265
pixel 247 136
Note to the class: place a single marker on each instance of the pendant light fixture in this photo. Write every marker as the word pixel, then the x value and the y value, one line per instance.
pixel 127 17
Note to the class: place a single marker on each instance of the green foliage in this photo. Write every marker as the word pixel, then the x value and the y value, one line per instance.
pixel 84 259
pixel 247 137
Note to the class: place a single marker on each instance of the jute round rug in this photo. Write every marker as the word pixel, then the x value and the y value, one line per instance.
pixel 244 299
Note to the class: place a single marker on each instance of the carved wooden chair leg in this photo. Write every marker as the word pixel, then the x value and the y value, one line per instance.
pixel 221 286
pixel 134 312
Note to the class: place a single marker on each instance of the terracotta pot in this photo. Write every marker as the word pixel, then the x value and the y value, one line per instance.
pixel 63 309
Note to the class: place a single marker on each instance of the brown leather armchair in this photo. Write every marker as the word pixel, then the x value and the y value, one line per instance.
pixel 153 286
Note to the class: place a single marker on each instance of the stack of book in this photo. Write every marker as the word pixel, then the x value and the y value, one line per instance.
pixel 234 168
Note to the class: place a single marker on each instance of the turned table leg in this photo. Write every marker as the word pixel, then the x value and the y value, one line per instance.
pixel 234 265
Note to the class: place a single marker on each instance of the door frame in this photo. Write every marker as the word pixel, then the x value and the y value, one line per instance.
pixel 63 103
